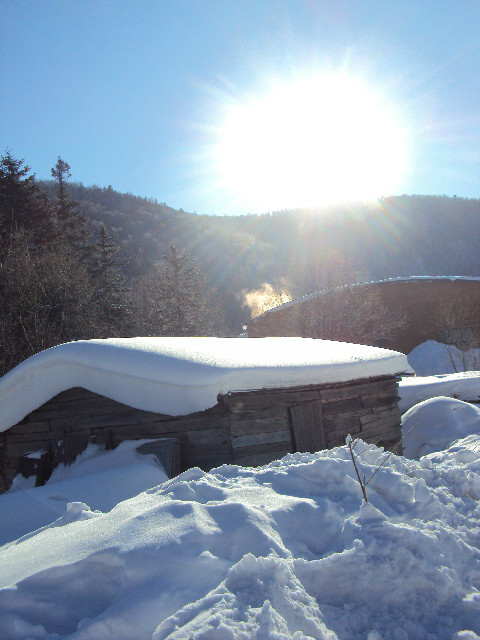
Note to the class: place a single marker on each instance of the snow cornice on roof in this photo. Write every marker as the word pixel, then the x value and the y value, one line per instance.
pixel 179 376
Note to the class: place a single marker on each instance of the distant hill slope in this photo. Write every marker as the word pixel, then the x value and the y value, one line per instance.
pixel 396 236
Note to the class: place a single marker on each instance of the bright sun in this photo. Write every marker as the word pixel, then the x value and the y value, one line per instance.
pixel 317 140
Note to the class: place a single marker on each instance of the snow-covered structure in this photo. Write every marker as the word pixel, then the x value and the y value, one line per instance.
pixel 441 308
pixel 226 400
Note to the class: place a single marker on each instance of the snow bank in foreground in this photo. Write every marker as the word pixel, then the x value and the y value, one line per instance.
pixel 99 478
pixel 283 551
pixel 431 357
pixel 464 386
pixel 178 376
pixel 434 424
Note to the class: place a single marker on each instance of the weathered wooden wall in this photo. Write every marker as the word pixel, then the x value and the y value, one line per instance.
pixel 66 424
pixel 247 428
pixel 264 425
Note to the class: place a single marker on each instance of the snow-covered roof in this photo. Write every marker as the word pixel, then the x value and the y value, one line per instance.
pixel 407 279
pixel 178 376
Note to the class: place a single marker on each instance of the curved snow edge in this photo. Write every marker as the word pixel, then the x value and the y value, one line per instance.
pixel 152 380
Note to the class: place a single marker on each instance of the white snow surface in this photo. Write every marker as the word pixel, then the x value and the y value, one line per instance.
pixel 431 358
pixel 99 478
pixel 463 386
pixel 285 551
pixel 178 376
pixel 434 424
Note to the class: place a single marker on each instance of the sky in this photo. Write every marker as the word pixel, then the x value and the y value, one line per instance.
pixel 236 106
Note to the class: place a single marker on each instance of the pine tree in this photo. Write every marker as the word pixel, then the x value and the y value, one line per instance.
pixel 110 291
pixel 23 207
pixel 72 222
pixel 172 299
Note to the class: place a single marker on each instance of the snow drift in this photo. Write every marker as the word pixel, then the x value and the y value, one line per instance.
pixel 284 551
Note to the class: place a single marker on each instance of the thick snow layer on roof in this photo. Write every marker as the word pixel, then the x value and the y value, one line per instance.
pixel 178 376
pixel 464 386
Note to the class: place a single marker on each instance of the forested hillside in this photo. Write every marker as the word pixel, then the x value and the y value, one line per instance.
pixel 396 236
pixel 80 262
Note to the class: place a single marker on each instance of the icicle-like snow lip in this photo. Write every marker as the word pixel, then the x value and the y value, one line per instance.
pixel 178 376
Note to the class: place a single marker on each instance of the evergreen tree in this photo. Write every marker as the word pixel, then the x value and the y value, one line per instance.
pixel 23 207
pixel 110 291
pixel 172 300
pixel 72 222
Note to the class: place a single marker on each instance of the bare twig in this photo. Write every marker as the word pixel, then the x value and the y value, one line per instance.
pixel 362 484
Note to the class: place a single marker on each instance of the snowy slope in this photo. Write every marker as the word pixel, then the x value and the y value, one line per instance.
pixel 287 551
pixel 178 376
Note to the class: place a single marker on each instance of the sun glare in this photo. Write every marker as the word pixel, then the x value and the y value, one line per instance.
pixel 314 141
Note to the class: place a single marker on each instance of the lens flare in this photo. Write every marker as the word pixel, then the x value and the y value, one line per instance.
pixel 317 140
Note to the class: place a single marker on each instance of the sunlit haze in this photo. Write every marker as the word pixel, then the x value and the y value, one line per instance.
pixel 316 140
pixel 234 107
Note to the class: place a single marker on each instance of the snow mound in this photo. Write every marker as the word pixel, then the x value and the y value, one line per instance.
pixel 464 386
pixel 284 551
pixel 431 358
pixel 178 376
pixel 99 478
pixel 433 425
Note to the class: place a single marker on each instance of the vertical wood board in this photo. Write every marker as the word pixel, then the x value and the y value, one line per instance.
pixel 307 426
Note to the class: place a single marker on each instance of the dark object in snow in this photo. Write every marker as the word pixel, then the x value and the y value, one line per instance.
pixel 166 451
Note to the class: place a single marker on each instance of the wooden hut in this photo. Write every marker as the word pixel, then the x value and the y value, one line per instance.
pixel 234 401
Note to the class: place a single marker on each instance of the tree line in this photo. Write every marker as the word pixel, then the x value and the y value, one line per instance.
pixel 62 279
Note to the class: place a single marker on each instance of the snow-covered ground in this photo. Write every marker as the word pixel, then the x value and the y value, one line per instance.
pixel 111 549
pixel 284 551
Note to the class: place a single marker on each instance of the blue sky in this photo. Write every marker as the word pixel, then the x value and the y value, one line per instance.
pixel 132 93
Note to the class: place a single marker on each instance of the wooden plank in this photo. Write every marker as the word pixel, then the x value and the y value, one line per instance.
pixel 262 425
pixel 262 438
pixel 205 436
pixel 30 427
pixel 276 411
pixel 260 459
pixel 342 406
pixel 337 422
pixel 388 437
pixel 347 414
pixel 134 417
pixel 240 452
pixel 206 456
pixel 342 433
pixel 166 428
pixel 333 394
pixel 42 436
pixel 380 428
pixel 377 417
pixel 307 426
pixel 374 401
pixel 260 401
